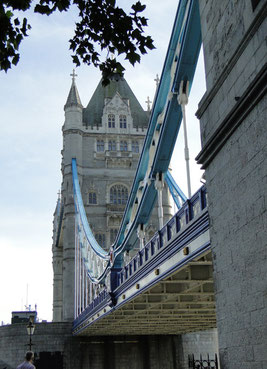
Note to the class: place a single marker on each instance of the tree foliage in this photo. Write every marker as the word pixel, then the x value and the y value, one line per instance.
pixel 101 26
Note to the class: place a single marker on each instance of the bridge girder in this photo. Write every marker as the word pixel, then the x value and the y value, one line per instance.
pixel 183 302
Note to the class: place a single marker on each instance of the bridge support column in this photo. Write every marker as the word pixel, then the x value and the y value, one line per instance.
pixel 159 184
pixel 141 235
pixel 183 100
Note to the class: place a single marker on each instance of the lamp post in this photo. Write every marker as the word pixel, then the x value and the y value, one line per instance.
pixel 30 329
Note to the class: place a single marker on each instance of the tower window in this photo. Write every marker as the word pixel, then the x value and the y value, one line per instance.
pixel 122 121
pixel 123 146
pixel 100 145
pixel 92 197
pixel 135 146
pixel 100 239
pixel 112 145
pixel 118 194
pixel 111 121
pixel 113 234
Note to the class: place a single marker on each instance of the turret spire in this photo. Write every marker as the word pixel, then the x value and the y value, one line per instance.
pixel 73 75
pixel 73 98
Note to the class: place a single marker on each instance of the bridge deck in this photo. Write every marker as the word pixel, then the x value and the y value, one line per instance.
pixel 182 302
pixel 167 288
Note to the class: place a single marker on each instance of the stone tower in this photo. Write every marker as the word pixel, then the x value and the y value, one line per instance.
pixel 232 117
pixel 106 139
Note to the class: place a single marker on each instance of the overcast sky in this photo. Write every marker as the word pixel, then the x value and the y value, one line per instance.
pixel 32 97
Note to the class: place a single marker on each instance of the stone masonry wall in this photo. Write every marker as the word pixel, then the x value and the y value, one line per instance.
pixel 238 70
pixel 140 352
pixel 234 138
pixel 237 206
pixel 48 337
pixel 198 343
pixel 144 352
pixel 224 25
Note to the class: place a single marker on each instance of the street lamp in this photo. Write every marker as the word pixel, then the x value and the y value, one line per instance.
pixel 30 329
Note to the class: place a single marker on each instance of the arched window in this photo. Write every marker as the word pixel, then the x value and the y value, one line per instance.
pixel 100 145
pixel 135 146
pixel 118 194
pixel 123 121
pixel 100 239
pixel 111 121
pixel 112 145
pixel 123 146
pixel 92 197
pixel 113 234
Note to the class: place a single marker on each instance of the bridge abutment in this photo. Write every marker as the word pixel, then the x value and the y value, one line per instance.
pixel 233 129
pixel 56 348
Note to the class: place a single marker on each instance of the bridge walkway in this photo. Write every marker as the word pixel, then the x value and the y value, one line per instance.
pixel 167 288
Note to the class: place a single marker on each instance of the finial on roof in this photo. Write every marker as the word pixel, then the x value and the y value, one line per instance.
pixel 73 98
pixel 148 102
pixel 157 80
pixel 73 75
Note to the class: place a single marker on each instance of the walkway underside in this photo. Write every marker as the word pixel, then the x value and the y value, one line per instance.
pixel 181 303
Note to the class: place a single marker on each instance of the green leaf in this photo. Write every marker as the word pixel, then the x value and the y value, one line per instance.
pixel 5 65
pixel 138 7
pixel 76 60
pixel 133 57
pixel 9 14
pixel 15 59
pixel 42 9
pixel 101 25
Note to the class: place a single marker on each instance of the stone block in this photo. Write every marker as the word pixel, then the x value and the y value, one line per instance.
pixel 260 352
pixel 259 317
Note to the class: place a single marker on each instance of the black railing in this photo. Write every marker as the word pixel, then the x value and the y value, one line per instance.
pixel 202 363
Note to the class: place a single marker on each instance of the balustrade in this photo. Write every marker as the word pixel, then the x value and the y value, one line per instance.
pixel 177 224
pixel 190 210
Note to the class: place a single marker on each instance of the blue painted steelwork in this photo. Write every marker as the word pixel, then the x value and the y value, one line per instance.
pixel 164 125
pixel 80 209
pixel 177 194
pixel 175 228
pixel 89 246
pixel 186 225
pixel 182 55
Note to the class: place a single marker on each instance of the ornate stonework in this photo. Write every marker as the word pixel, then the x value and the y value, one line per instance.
pixel 106 139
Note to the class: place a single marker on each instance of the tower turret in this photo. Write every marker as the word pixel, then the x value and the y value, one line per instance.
pixel 106 139
pixel 73 107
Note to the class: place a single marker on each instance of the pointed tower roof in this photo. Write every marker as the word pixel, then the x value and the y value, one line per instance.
pixel 73 98
pixel 92 114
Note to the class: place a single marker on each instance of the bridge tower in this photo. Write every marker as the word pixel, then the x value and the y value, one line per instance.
pixel 232 117
pixel 106 139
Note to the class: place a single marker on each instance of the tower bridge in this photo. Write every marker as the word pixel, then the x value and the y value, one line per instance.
pixel 103 141
pixel 166 288
pixel 157 275
pixel 134 285
pixel 98 270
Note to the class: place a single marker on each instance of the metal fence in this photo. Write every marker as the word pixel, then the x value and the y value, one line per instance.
pixel 202 363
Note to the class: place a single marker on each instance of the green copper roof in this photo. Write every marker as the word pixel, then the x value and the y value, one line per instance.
pixel 92 114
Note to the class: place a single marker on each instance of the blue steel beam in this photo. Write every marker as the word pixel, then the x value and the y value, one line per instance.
pixel 80 209
pixel 176 192
pixel 164 125
pixel 187 230
pixel 182 55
